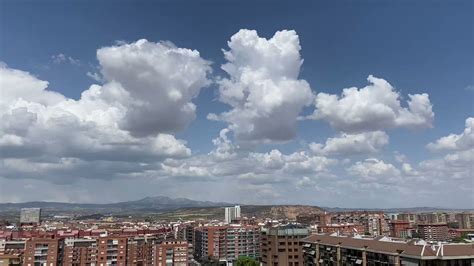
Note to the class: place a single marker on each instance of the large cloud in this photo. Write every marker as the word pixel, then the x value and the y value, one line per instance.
pixel 374 107
pixel 148 93
pixel 159 81
pixel 461 141
pixel 263 88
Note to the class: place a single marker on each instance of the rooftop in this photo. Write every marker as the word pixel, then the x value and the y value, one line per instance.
pixel 405 249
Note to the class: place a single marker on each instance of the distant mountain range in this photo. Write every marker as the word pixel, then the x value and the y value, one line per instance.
pixel 162 204
pixel 147 204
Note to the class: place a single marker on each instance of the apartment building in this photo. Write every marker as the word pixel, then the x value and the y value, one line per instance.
pixel 281 245
pixel 400 229
pixel 409 217
pixel 186 232
pixel 432 218
pixel 243 241
pixel 42 251
pixel 173 252
pixel 231 214
pixel 80 252
pixel 140 250
pixel 112 251
pixel 373 222
pixel 227 242
pixel 465 220
pixel 434 232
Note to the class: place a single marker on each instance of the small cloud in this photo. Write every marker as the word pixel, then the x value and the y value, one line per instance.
pixel 95 76
pixel 120 42
pixel 469 87
pixel 213 117
pixel 62 58
pixel 399 157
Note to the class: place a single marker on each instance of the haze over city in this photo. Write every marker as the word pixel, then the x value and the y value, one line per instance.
pixel 363 104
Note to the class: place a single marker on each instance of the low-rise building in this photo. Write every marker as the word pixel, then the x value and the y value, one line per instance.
pixel 336 250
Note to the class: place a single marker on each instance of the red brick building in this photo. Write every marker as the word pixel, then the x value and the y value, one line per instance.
pixel 41 250
pixel 112 250
pixel 227 243
pixel 434 232
pixel 140 250
pixel 399 228
pixel 172 252
pixel 80 252
pixel 281 245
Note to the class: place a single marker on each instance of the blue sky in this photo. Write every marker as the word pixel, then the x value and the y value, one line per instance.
pixel 418 47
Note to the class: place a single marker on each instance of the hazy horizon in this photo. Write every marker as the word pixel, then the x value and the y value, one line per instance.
pixel 249 204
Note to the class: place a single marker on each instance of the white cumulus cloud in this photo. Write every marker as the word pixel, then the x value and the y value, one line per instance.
pixel 374 107
pixel 158 82
pixel 462 141
pixel 263 88
pixel 375 171
pixel 346 144
pixel 147 95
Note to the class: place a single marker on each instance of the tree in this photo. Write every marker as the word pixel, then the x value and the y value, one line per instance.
pixel 246 261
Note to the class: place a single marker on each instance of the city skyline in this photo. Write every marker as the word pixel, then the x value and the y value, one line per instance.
pixel 345 104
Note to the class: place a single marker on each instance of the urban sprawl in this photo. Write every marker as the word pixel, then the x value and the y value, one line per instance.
pixel 325 238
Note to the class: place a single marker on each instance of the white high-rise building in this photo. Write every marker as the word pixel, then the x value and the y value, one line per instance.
pixel 232 213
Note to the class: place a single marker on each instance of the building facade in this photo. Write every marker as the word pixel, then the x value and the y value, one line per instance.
pixel 465 220
pixel 172 252
pixel 231 214
pixel 140 250
pixel 399 228
pixel 226 243
pixel 281 245
pixel 112 251
pixel 42 251
pixel 434 232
